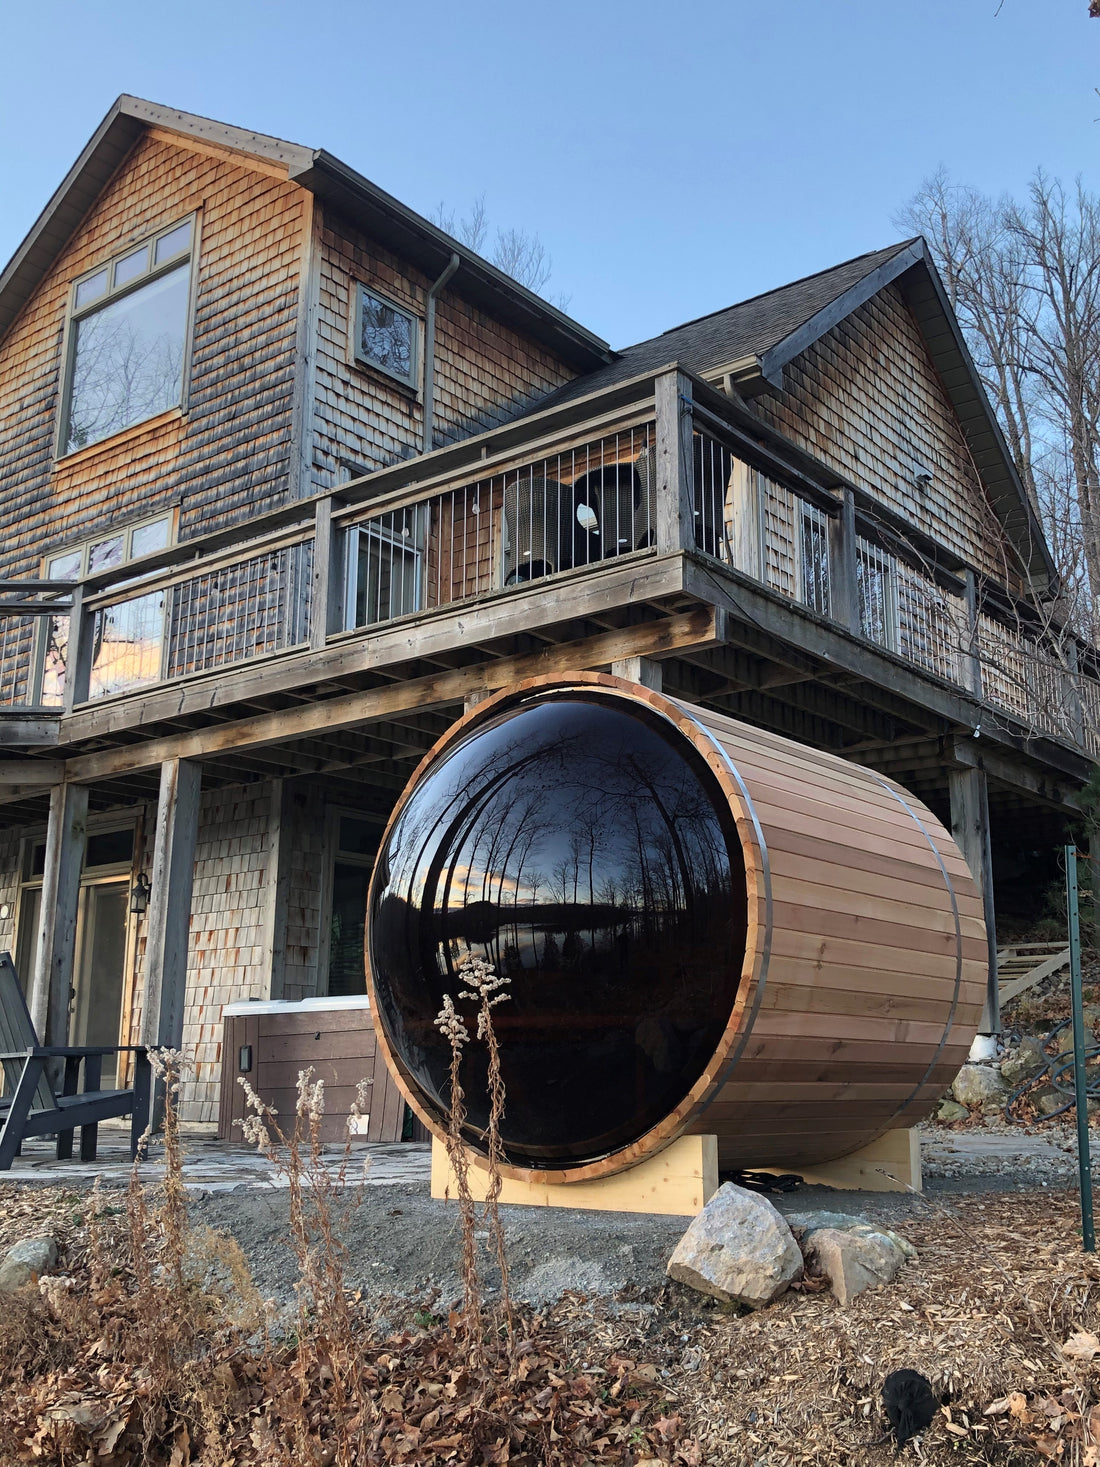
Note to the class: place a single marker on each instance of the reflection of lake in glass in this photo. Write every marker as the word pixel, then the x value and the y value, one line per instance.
pixel 584 847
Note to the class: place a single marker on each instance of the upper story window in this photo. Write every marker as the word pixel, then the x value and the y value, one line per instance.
pixel 876 579
pixel 386 336
pixel 127 339
pixel 814 557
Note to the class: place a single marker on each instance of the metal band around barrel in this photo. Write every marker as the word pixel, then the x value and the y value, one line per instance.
pixel 905 805
pixel 766 870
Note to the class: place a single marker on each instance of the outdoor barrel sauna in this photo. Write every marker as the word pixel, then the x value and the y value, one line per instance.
pixel 706 928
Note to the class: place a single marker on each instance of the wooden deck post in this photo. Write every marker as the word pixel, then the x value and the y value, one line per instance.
pixel 327 606
pixel 53 969
pixel 643 670
pixel 675 509
pixel 78 661
pixel 970 828
pixel 970 662
pixel 844 580
pixel 169 918
pixel 276 891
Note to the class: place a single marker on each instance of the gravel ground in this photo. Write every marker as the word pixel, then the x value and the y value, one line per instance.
pixel 401 1243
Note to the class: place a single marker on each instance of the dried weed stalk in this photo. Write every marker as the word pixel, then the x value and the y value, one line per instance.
pixel 327 1330
pixel 487 988
pixel 455 1032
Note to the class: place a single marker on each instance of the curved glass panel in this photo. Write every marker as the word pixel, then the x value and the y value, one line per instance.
pixel 584 847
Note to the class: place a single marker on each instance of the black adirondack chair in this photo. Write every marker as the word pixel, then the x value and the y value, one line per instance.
pixel 31 1106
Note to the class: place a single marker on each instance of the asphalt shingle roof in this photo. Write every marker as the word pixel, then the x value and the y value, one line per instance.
pixel 751 327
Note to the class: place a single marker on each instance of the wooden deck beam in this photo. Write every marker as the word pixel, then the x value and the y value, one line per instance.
pixel 648 639
pixel 617 585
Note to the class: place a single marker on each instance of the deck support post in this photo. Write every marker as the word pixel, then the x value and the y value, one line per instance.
pixel 970 662
pixel 970 828
pixel 52 979
pixel 675 508
pixel 169 919
pixel 327 606
pixel 844 581
pixel 277 887
pixel 643 670
pixel 78 669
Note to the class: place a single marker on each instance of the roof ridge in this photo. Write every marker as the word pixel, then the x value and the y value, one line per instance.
pixel 775 290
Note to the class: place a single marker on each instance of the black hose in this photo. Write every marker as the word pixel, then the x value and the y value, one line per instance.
pixel 1056 1066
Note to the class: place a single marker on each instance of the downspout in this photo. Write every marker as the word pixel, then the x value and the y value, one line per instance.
pixel 429 354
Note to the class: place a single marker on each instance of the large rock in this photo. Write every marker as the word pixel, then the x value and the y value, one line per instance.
pixel 739 1249
pixel 853 1260
pixel 978 1085
pixel 25 1262
pixel 1018 1066
pixel 951 1110
pixel 1047 1100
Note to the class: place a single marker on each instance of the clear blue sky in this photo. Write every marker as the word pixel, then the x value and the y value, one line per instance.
pixel 673 157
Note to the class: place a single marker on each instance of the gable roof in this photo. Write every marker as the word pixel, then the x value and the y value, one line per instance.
pixel 379 213
pixel 755 339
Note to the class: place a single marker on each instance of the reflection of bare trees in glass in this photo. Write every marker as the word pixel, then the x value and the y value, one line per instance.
pixel 128 360
pixel 586 841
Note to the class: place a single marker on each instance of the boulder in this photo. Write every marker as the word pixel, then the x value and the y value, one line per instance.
pixel 1047 1100
pixel 25 1262
pixel 853 1260
pixel 805 1224
pixel 976 1084
pixel 739 1249
pixel 1022 1064
pixel 951 1110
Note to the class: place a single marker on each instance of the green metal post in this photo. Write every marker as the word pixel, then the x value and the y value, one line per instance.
pixel 1084 1154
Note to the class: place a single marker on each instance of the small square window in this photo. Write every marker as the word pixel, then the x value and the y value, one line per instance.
pixel 147 538
pixel 386 336
pixel 91 289
pixel 105 553
pixel 172 243
pixel 131 266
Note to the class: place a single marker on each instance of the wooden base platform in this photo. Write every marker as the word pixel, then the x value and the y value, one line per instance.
pixel 678 1182
pixel 890 1164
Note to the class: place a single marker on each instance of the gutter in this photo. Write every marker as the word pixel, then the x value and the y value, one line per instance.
pixel 426 442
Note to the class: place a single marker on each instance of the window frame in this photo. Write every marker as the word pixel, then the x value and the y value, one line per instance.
pixel 83 548
pixel 414 549
pixel 74 314
pixel 886 564
pixel 333 853
pixel 411 383
pixel 813 520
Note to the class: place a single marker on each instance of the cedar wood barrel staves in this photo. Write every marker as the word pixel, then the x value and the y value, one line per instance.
pixel 861 956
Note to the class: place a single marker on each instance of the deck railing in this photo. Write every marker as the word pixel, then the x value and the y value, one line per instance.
pixel 793 543
pixel 354 561
pixel 564 511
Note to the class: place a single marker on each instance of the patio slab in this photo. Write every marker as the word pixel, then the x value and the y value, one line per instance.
pixel 210 1165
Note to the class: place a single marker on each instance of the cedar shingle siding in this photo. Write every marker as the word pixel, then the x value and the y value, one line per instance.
pixel 230 454
pixel 485 373
pixel 867 399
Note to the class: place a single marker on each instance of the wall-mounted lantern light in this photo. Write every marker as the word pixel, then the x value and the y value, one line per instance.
pixel 139 894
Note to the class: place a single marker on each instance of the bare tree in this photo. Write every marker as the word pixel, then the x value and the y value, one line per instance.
pixel 1024 280
pixel 520 253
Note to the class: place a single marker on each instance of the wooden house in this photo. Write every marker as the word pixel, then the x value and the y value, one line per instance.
pixel 288 477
